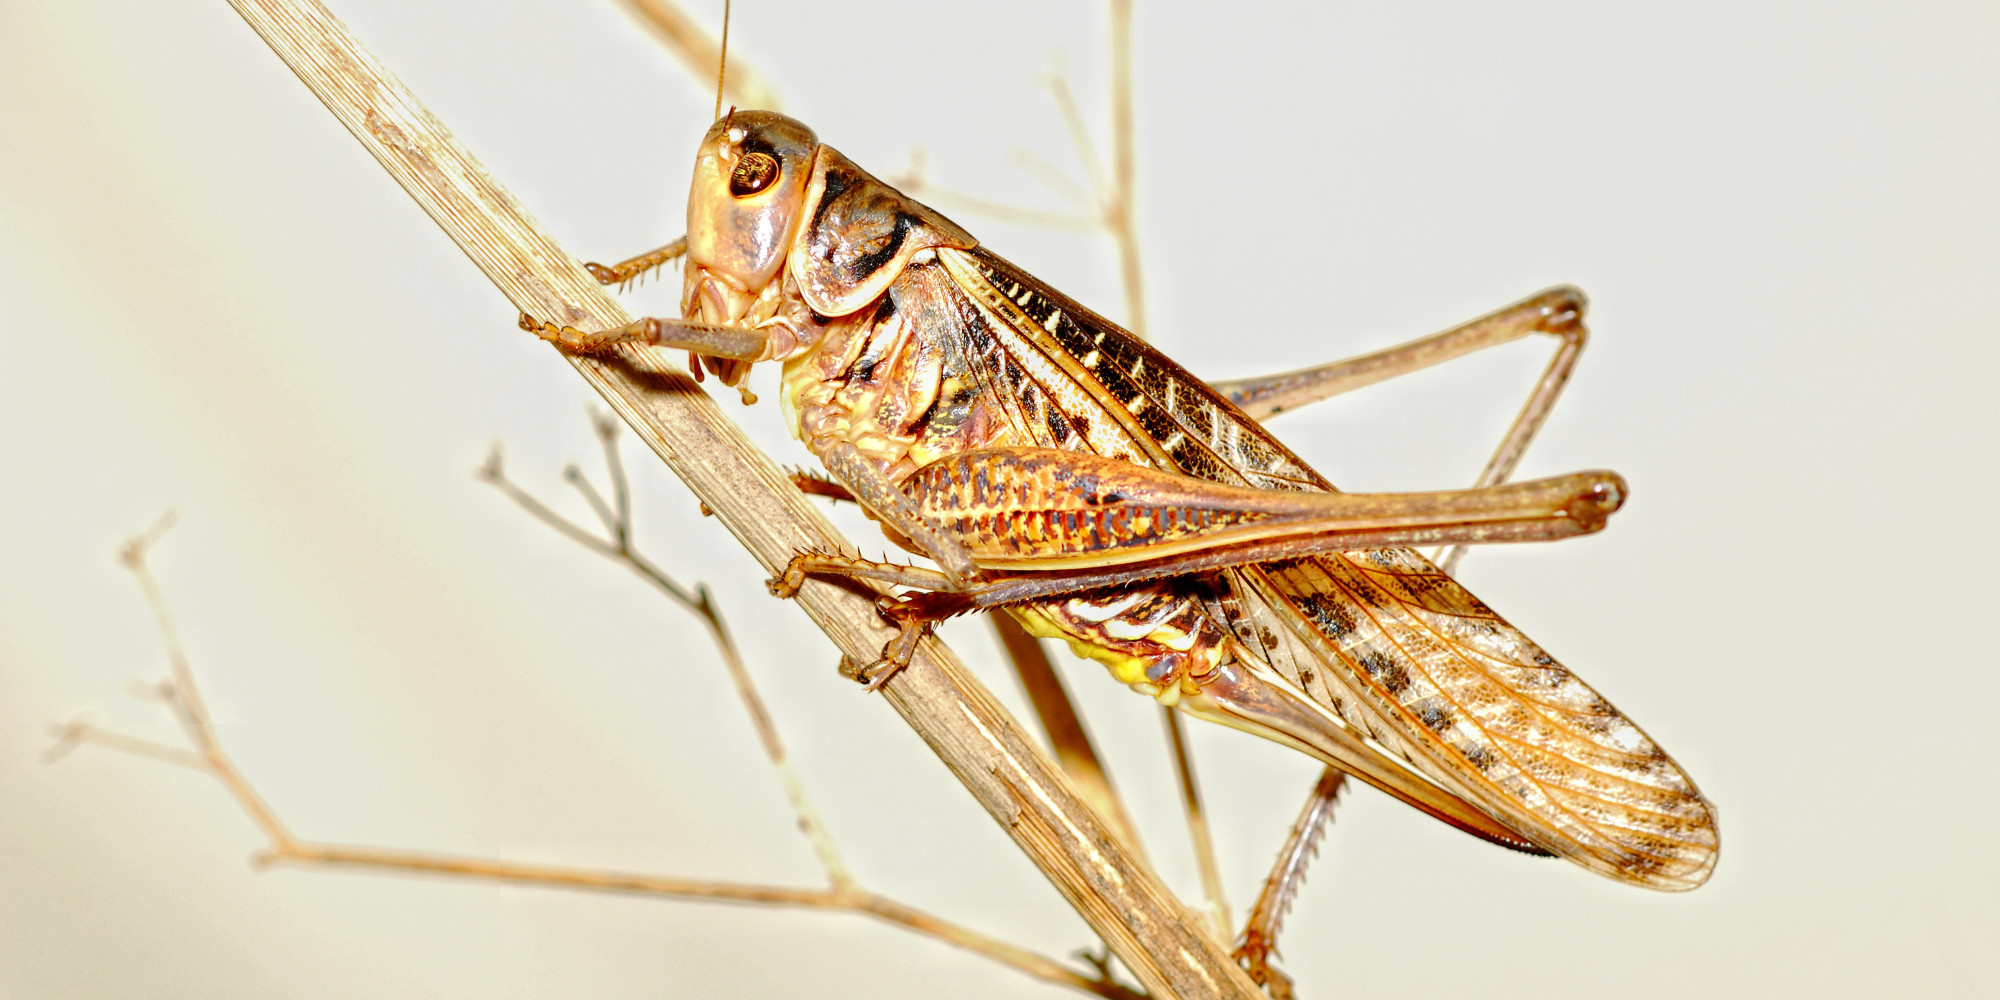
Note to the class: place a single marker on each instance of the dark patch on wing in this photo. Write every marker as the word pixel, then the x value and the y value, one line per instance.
pixel 1204 434
pixel 1384 670
pixel 1434 717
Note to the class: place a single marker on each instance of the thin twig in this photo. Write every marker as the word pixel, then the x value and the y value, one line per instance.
pixel 78 732
pixel 183 698
pixel 1197 821
pixel 850 899
pixel 1121 215
pixel 1116 203
pixel 1074 751
pixel 913 181
pixel 1052 177
pixel 1079 138
pixel 618 524
pixel 702 55
pixel 959 202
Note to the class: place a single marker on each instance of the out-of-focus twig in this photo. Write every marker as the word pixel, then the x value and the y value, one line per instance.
pixel 742 86
pixel 1074 751
pixel 617 519
pixel 1197 820
pixel 282 847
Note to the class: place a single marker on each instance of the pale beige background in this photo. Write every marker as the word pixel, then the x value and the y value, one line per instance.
pixel 211 300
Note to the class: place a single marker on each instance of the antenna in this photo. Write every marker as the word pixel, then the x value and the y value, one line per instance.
pixel 722 59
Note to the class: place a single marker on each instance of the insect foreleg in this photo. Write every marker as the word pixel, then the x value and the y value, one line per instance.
pixel 852 473
pixel 813 484
pixel 627 270
pixel 705 339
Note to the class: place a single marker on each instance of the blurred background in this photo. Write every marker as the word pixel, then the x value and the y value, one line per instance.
pixel 212 301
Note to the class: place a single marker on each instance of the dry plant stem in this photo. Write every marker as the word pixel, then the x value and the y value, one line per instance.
pixel 183 698
pixel 180 694
pixel 1074 751
pixel 960 202
pixel 1197 821
pixel 702 54
pixel 1117 213
pixel 852 899
pixel 1164 945
pixel 617 519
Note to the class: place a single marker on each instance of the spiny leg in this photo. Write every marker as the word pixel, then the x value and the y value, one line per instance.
pixel 852 474
pixel 626 271
pixel 1557 311
pixel 1259 941
pixel 1027 513
pixel 813 484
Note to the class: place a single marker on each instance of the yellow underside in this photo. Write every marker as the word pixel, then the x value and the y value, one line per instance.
pixel 1129 669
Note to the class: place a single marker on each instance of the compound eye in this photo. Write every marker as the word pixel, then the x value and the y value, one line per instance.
pixel 754 172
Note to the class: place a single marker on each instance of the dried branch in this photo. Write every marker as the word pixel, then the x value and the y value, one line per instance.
pixel 1112 200
pixel 1074 751
pixel 1121 214
pixel 1156 937
pixel 617 520
pixel 700 52
pixel 1197 820
pixel 183 698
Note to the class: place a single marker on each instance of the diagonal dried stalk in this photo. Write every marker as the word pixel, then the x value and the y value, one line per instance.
pixel 205 754
pixel 1163 944
pixel 701 54
pixel 617 519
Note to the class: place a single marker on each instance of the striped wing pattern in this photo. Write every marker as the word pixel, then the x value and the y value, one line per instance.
pixel 1392 644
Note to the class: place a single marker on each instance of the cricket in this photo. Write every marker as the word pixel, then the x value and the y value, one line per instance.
pixel 1057 469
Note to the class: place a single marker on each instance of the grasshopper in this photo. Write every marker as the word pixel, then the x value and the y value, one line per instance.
pixel 1056 467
